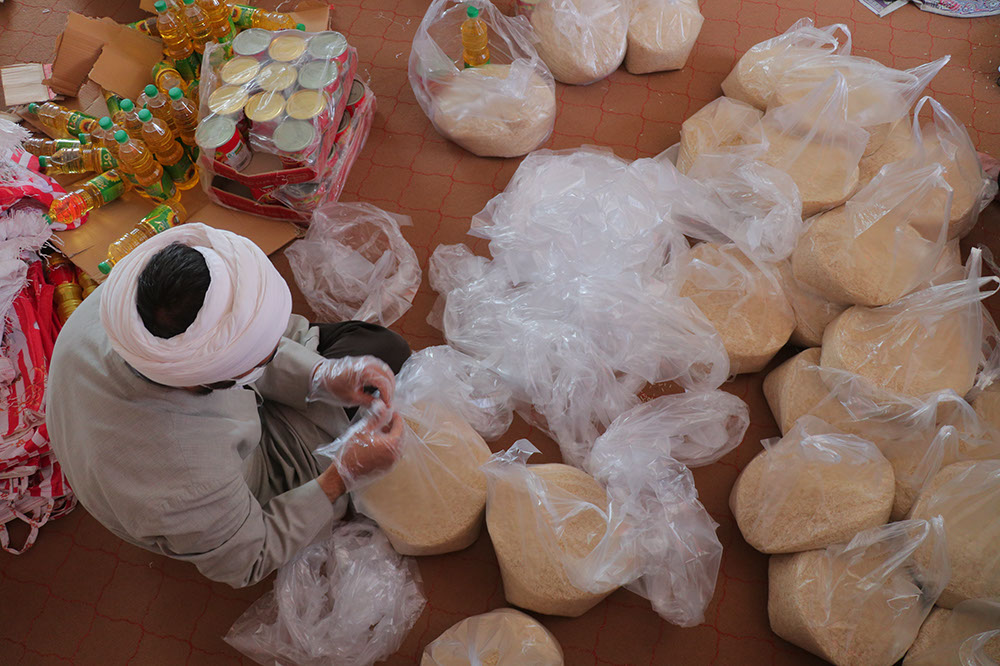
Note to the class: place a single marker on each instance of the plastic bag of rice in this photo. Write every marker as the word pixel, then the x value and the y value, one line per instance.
pixel 812 488
pixel 661 34
pixel 812 311
pixel 930 340
pixel 868 251
pixel 504 637
pixel 756 74
pixel 813 141
pixel 540 516
pixel 718 124
pixel 743 300
pixel 966 495
pixel 968 635
pixel 582 41
pixel 502 109
pixel 860 603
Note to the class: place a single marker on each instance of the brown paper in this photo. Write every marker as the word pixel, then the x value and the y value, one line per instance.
pixel 315 16
pixel 23 83
pixel 77 49
pixel 125 65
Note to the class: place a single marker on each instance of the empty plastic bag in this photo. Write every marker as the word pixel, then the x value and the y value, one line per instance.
pixel 349 600
pixel 582 41
pixel 355 264
pixel 757 73
pixel 504 637
pixel 869 251
pixel 505 108
pixel 860 603
pixel 814 487
pixel 967 635
pixel 661 34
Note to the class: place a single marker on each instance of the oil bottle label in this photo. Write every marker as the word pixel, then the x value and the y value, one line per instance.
pixel 161 218
pixel 160 191
pixel 109 185
pixel 114 103
pixel 243 16
pixel 107 159
pixel 77 121
pixel 187 67
pixel 180 170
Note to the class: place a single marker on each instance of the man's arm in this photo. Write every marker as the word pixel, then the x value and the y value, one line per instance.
pixel 286 379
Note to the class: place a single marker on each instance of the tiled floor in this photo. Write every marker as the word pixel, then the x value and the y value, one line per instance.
pixel 82 596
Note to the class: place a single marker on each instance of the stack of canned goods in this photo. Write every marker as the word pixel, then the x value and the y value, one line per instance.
pixel 279 92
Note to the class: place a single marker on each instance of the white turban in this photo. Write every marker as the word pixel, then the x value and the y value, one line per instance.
pixel 244 315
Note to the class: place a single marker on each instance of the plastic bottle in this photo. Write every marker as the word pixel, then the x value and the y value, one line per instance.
pixel 167 151
pixel 158 105
pixel 79 159
pixel 185 116
pixel 94 193
pixel 166 76
pixel 104 136
pixel 129 118
pixel 40 146
pixel 136 163
pixel 475 39
pixel 198 28
pixel 220 20
pixel 266 20
pixel 61 120
pixel 176 43
pixel 166 215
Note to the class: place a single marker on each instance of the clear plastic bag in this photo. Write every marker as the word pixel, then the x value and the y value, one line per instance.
pixel 968 635
pixel 814 487
pixel 814 142
pixel 694 428
pixel 966 495
pixel 504 637
pixel 757 73
pixel 505 108
pixel 582 41
pixel 354 263
pixel 661 34
pixel 717 125
pixel 869 251
pixel 860 603
pixel 813 312
pixel 744 301
pixel 348 600
pixel 930 340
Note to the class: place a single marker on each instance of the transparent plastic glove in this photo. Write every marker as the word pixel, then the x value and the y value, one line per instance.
pixel 368 449
pixel 353 380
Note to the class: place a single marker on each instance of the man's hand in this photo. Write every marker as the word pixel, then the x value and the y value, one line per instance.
pixel 368 449
pixel 347 379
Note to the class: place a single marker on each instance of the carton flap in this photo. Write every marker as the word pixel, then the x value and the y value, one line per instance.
pixel 78 48
pixel 23 83
pixel 315 16
pixel 126 63
pixel 147 5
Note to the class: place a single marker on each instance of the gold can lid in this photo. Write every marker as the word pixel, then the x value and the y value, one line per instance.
pixel 214 131
pixel 227 100
pixel 327 45
pixel 287 48
pixel 251 42
pixel 293 136
pixel 277 76
pixel 265 106
pixel 306 104
pixel 357 92
pixel 318 74
pixel 239 70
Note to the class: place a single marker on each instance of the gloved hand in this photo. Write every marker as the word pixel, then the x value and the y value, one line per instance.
pixel 347 378
pixel 368 449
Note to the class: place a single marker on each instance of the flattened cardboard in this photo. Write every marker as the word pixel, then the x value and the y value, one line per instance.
pixel 23 83
pixel 315 16
pixel 78 48
pixel 125 65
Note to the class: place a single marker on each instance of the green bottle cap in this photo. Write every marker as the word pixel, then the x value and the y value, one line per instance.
pixel 83 138
pixel 472 12
pixel 151 91
pixel 32 108
pixel 300 26
pixel 160 6
pixel 188 2
pixel 176 93
pixel 105 123
pixel 145 116
pixel 121 136
pixel 104 267
pixel 126 105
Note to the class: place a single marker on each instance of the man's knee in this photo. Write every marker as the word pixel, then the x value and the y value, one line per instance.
pixel 396 349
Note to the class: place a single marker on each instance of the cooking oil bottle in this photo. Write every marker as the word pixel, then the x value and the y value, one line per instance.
pixel 94 193
pixel 78 159
pixel 159 105
pixel 220 19
pixel 136 163
pixel 40 146
pixel 176 42
pixel 168 151
pixel 166 215
pixel 475 39
pixel 198 28
pixel 185 116
pixel 129 118
pixel 61 120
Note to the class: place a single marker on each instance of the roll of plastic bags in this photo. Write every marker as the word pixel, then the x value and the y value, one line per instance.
pixel 349 600
pixel 661 34
pixel 354 263
pixel 869 251
pixel 582 41
pixel 814 142
pixel 967 635
pixel 505 108
pixel 757 73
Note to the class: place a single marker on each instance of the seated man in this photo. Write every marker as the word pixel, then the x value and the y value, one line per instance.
pixel 179 406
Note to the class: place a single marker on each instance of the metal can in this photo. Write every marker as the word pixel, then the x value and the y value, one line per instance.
pixel 252 42
pixel 320 75
pixel 344 129
pixel 264 110
pixel 219 137
pixel 277 77
pixel 312 105
pixel 227 100
pixel 286 48
pixel 239 70
pixel 359 93
pixel 296 142
pixel 330 45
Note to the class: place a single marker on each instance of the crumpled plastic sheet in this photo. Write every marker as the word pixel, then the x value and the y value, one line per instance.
pixel 349 600
pixel 354 263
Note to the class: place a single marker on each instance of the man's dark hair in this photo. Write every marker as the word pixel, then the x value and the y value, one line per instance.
pixel 172 290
